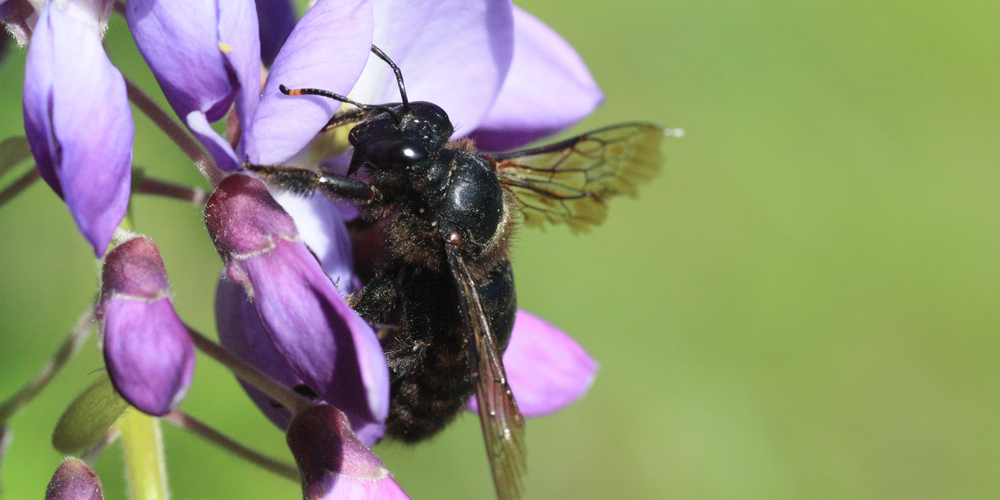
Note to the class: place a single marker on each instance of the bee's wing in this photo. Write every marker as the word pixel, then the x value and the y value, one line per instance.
pixel 567 182
pixel 503 425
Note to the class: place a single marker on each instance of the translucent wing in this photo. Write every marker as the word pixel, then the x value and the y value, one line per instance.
pixel 503 425
pixel 569 181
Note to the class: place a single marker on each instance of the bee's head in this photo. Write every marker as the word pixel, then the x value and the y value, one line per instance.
pixel 398 136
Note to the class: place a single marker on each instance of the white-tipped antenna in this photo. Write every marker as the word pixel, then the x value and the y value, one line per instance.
pixel 399 75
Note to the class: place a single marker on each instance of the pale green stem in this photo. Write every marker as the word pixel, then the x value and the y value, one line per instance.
pixel 79 334
pixel 189 423
pixel 145 468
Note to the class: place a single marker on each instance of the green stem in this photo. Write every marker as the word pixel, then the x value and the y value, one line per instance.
pixel 189 423
pixel 142 444
pixel 79 334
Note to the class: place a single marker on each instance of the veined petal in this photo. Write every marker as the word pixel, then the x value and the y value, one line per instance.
pixel 78 121
pixel 326 50
pixel 327 344
pixel 547 89
pixel 147 349
pixel 334 464
pixel 546 369
pixel 422 38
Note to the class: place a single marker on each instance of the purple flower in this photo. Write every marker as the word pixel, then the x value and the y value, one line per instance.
pixel 333 462
pixel 73 480
pixel 147 349
pixel 327 345
pixel 206 56
pixel 467 79
pixel 77 117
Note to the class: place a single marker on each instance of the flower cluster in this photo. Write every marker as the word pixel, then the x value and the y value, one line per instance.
pixel 504 78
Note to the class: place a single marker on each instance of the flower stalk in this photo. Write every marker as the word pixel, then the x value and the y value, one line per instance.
pixel 145 467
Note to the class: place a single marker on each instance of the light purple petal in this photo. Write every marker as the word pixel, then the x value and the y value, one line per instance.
pixel 334 464
pixel 218 147
pixel 323 230
pixel 327 50
pixel 202 53
pixel 454 53
pixel 148 352
pixel 548 89
pixel 73 480
pixel 239 35
pixel 277 19
pixel 546 369
pixel 147 349
pixel 79 124
pixel 327 344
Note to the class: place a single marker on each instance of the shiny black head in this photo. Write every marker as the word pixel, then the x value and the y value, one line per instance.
pixel 400 136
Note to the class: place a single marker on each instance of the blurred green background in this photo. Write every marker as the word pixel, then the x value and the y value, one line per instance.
pixel 805 304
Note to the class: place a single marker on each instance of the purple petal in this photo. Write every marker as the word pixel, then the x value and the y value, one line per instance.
pixel 218 147
pixel 277 19
pixel 202 53
pixel 147 349
pixel 241 332
pixel 148 353
pixel 454 53
pixel 327 344
pixel 73 480
pixel 546 369
pixel 78 121
pixel 327 50
pixel 334 464
pixel 548 89
pixel 323 230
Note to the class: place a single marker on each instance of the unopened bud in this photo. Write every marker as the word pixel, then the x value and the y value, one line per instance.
pixel 147 349
pixel 333 462
pixel 73 480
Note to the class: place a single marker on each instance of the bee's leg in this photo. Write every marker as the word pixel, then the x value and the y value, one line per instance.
pixel 376 302
pixel 304 181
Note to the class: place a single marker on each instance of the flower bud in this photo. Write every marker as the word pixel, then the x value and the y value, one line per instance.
pixel 73 480
pixel 147 349
pixel 333 462
pixel 328 346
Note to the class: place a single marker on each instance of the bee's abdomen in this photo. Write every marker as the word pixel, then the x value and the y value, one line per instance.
pixel 428 359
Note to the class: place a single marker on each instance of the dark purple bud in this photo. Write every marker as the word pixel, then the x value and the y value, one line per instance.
pixel 333 462
pixel 329 347
pixel 147 349
pixel 547 370
pixel 73 480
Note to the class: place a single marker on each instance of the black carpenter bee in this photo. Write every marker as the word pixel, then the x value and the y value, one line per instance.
pixel 444 214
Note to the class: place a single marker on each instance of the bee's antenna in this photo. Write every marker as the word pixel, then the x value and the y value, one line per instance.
pixel 399 75
pixel 337 97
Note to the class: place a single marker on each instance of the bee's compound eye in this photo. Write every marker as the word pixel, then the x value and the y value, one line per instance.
pixel 394 153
